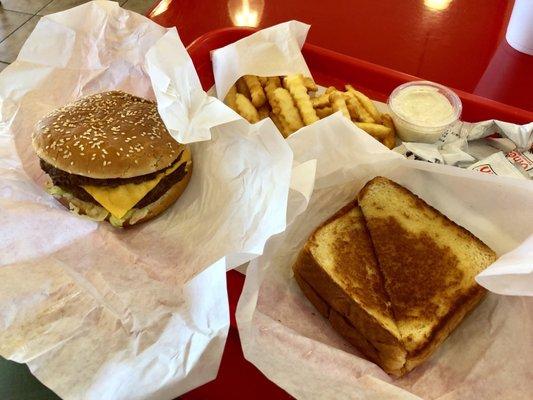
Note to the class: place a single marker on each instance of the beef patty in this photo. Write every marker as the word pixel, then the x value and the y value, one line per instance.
pixel 66 181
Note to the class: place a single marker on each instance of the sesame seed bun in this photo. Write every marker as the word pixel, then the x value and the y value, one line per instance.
pixel 152 210
pixel 110 140
pixel 106 135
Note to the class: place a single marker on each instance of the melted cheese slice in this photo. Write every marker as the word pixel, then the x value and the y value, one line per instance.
pixel 119 200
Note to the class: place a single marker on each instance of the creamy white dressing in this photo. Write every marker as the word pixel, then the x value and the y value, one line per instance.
pixel 423 105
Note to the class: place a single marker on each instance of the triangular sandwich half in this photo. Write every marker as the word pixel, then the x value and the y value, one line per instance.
pixel 428 263
pixel 338 272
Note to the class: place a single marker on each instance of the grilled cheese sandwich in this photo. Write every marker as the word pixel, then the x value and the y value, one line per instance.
pixel 392 274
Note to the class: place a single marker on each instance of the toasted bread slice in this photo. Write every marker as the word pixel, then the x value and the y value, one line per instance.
pixel 338 272
pixel 428 263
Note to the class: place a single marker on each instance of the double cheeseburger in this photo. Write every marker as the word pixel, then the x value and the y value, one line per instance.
pixel 110 157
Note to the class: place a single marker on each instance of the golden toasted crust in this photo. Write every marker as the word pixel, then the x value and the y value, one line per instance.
pixel 106 135
pixel 394 362
pixel 382 343
pixel 429 263
pixel 358 340
pixel 445 328
pixel 152 210
pixel 390 357
pixel 312 272
pixel 351 257
pixel 320 304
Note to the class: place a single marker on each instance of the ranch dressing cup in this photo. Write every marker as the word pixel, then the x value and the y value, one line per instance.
pixel 422 110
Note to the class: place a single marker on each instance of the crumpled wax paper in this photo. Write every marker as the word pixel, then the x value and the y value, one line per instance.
pixel 189 114
pixel 463 143
pixel 269 52
pixel 488 356
pixel 100 313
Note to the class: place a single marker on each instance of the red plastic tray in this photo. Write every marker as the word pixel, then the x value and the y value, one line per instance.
pixel 237 378
pixel 332 68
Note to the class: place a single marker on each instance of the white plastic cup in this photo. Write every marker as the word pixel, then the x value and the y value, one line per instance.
pixel 413 131
pixel 520 30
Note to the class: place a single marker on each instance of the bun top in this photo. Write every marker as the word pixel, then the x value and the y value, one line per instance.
pixel 106 135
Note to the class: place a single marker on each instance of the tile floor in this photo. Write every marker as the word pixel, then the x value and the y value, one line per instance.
pixel 19 17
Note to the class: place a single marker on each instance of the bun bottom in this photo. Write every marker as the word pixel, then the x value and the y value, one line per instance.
pixel 152 210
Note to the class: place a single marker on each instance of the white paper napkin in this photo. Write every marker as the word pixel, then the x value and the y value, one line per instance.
pixel 269 52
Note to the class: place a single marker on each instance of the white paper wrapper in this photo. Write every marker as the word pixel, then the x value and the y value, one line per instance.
pixel 100 313
pixel 269 52
pixel 454 146
pixel 524 160
pixel 497 164
pixel 188 114
pixel 512 274
pixel 293 345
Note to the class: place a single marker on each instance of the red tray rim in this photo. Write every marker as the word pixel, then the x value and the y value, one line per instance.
pixel 395 74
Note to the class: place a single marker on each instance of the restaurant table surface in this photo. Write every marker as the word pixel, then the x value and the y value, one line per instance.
pixel 458 43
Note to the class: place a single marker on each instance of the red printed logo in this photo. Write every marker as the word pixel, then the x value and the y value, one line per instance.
pixel 485 168
pixel 520 159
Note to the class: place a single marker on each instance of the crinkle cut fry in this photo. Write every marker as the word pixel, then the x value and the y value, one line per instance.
pixel 230 98
pixel 256 90
pixel 338 104
pixel 295 85
pixel 284 107
pixel 246 109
